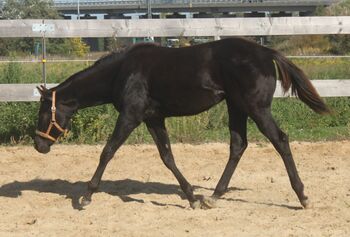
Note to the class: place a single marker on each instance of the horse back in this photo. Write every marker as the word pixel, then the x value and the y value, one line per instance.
pixel 189 80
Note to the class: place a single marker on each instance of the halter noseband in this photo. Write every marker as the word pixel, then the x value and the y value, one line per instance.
pixel 53 123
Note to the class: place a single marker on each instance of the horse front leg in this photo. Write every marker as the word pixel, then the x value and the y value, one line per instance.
pixel 124 126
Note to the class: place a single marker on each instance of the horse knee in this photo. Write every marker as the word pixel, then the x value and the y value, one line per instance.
pixel 106 155
pixel 283 137
pixel 237 150
pixel 244 146
pixel 168 160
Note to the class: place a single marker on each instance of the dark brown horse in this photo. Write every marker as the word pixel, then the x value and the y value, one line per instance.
pixel 148 83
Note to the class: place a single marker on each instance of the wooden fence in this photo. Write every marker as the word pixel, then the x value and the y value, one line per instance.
pixel 28 92
pixel 175 27
pixel 178 27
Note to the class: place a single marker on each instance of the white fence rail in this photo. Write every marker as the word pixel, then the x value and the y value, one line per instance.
pixel 54 60
pixel 28 92
pixel 179 27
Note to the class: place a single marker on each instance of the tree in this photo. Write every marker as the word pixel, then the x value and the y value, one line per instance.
pixel 37 9
pixel 29 9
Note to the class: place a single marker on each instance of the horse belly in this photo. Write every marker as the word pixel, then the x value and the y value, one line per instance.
pixel 191 102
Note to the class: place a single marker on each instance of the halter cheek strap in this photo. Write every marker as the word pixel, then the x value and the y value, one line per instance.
pixel 53 123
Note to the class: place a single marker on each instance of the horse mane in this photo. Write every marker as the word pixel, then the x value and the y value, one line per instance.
pixel 108 59
pixel 117 55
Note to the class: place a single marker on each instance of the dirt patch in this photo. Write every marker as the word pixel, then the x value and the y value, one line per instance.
pixel 140 197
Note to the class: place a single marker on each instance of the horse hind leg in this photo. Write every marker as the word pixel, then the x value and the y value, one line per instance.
pixel 238 144
pixel 279 139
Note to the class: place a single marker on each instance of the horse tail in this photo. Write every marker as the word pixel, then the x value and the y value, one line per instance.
pixel 292 76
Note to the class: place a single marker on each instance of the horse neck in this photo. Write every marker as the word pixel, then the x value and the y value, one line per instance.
pixel 89 88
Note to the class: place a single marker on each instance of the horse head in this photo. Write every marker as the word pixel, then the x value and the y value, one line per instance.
pixel 54 117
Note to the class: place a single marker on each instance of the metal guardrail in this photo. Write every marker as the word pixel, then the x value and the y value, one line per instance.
pixel 140 6
pixel 62 3
pixel 133 6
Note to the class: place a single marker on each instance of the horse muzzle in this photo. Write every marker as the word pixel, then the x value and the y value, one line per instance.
pixel 41 145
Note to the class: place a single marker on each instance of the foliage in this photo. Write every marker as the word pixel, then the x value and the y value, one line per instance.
pixel 69 47
pixel 324 68
pixel 318 68
pixel 26 9
pixel 116 44
pixel 37 9
pixel 302 45
pixel 341 8
pixel 29 9
pixel 317 44
pixel 17 122
pixel 11 73
pixel 340 44
pixel 94 125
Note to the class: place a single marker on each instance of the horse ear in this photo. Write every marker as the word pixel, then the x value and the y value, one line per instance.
pixel 39 88
pixel 44 92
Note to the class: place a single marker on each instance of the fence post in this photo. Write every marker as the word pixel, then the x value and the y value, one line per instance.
pixel 43 28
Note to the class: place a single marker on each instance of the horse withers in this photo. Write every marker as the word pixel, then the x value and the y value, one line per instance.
pixel 148 83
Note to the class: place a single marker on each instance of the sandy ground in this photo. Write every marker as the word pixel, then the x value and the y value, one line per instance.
pixel 140 197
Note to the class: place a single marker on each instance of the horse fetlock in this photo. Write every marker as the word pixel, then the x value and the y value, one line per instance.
pixel 195 205
pixel 209 202
pixel 306 203
pixel 219 192
pixel 204 203
pixel 85 201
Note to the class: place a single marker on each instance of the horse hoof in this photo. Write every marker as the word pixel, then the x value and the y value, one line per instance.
pixel 195 205
pixel 209 202
pixel 204 203
pixel 85 201
pixel 306 204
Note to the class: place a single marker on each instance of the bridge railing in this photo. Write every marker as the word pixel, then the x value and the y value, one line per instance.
pixel 92 3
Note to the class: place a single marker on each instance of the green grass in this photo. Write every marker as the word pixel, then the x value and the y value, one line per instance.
pixel 315 68
pixel 32 72
pixel 94 125
pixel 325 68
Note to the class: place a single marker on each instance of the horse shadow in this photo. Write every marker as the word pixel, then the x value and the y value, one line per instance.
pixel 74 191
pixel 119 188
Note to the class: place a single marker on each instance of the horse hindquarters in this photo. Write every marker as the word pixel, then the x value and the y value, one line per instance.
pixel 238 144
pixel 252 93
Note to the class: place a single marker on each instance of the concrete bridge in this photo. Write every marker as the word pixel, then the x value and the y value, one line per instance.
pixel 133 6
pixel 115 8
